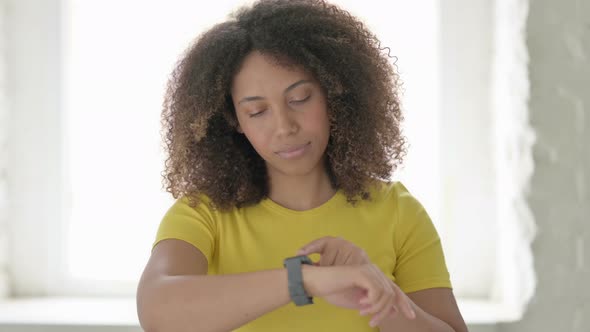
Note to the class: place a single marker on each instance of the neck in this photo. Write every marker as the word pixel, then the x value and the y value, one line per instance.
pixel 302 192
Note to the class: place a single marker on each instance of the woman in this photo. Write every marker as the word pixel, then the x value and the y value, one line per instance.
pixel 282 127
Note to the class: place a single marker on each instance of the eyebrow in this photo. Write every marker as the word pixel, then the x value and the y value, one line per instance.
pixel 291 87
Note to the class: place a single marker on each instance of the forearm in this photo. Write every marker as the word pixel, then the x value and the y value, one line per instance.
pixel 423 322
pixel 211 303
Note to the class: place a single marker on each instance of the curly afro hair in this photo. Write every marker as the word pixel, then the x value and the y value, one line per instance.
pixel 205 153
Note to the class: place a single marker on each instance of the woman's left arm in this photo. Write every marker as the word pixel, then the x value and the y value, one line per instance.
pixel 436 310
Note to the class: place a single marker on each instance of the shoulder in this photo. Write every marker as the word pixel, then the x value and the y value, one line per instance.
pixel 391 191
pixel 397 199
pixel 392 198
pixel 192 207
pixel 192 222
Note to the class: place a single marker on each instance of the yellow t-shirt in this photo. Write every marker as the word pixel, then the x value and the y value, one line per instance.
pixel 393 228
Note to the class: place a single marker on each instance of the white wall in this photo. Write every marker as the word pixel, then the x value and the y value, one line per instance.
pixel 34 165
pixel 559 48
pixel 467 175
pixel 3 156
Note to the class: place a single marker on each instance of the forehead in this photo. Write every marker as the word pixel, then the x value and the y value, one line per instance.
pixel 260 72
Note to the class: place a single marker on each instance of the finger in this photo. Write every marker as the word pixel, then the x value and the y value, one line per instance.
pixel 315 246
pixel 363 295
pixel 366 279
pixel 330 256
pixel 362 257
pixel 385 298
pixel 403 302
pixel 388 294
pixel 354 259
pixel 387 310
pixel 394 311
pixel 371 298
pixel 345 259
pixel 381 309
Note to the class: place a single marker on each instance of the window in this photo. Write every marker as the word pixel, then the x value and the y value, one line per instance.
pixel 89 199
pixel 115 79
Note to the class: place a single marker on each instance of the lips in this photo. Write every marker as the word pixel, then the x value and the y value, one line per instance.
pixel 293 151
pixel 292 148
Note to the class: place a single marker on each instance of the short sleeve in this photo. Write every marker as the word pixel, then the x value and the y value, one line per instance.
pixel 194 225
pixel 420 262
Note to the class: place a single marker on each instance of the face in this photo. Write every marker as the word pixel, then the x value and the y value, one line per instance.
pixel 282 111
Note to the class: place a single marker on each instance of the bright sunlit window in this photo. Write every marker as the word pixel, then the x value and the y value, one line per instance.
pixel 118 55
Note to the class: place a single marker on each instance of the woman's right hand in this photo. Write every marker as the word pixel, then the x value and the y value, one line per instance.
pixel 362 287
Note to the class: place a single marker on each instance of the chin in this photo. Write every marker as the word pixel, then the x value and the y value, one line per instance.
pixel 294 169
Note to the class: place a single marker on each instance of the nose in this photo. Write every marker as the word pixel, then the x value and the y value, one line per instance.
pixel 286 124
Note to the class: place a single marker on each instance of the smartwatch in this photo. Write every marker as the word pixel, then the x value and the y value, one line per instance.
pixel 295 277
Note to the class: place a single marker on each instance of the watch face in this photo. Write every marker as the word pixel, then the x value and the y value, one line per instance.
pixel 305 260
pixel 304 300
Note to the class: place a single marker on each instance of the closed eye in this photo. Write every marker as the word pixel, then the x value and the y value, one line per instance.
pixel 301 101
pixel 253 115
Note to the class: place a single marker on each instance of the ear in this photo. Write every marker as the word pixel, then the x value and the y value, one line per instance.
pixel 239 129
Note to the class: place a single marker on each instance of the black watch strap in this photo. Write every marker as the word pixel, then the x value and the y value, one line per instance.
pixel 295 277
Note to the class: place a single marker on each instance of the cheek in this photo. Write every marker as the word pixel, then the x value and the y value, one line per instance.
pixel 320 122
pixel 258 138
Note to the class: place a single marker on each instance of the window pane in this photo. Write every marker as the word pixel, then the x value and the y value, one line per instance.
pixel 120 54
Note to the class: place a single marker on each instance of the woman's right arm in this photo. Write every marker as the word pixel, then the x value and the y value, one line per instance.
pixel 176 294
